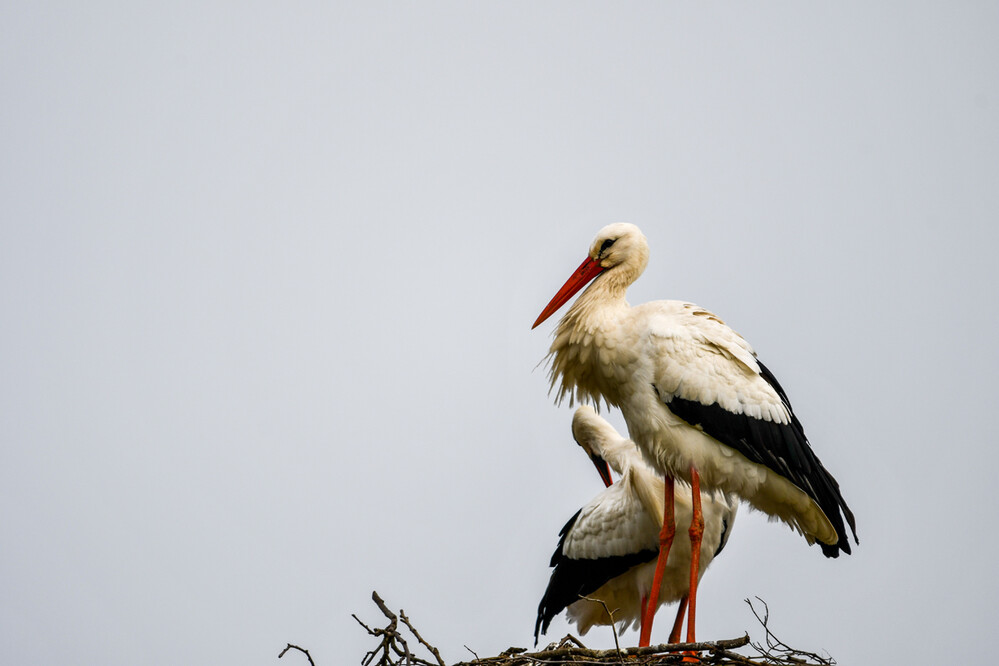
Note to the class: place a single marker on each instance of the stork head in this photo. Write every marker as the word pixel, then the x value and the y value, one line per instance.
pixel 619 249
pixel 621 244
pixel 592 432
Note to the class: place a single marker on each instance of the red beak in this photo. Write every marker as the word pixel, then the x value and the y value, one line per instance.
pixel 587 270
pixel 602 469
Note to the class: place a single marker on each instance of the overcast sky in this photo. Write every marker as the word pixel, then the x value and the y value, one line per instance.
pixel 268 272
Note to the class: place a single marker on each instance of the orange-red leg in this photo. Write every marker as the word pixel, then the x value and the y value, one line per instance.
pixel 696 532
pixel 674 636
pixel 645 604
pixel 665 541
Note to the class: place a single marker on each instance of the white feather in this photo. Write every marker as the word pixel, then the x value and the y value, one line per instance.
pixel 683 351
pixel 626 518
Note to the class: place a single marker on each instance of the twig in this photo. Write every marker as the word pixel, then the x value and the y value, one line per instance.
pixel 392 648
pixel 434 651
pixel 585 655
pixel 295 647
pixel 779 652
pixel 567 639
pixel 640 651
pixel 613 626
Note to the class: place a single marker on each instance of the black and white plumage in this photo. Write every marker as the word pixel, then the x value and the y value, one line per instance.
pixel 607 551
pixel 696 400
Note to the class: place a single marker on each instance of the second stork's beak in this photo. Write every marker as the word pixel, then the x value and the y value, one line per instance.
pixel 587 270
pixel 602 469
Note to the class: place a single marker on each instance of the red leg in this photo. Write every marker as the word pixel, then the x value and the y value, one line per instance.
pixel 696 532
pixel 645 603
pixel 665 541
pixel 674 636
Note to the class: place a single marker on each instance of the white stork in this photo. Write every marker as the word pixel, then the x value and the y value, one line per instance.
pixel 608 550
pixel 696 400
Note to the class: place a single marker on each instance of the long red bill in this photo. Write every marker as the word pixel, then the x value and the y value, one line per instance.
pixel 587 270
pixel 602 469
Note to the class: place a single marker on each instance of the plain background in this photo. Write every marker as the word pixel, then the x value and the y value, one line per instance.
pixel 268 271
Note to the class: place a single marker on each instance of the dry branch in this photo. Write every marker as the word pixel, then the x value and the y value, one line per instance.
pixel 393 650
pixel 564 653
pixel 779 652
pixel 295 647
pixel 613 623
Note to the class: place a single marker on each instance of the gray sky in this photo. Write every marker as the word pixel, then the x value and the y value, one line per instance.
pixel 268 273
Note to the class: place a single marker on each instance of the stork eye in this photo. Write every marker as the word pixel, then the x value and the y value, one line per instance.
pixel 606 244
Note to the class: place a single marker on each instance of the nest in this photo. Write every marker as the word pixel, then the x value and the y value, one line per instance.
pixel 396 649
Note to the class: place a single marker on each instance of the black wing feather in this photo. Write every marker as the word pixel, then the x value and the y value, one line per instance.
pixel 782 448
pixel 572 579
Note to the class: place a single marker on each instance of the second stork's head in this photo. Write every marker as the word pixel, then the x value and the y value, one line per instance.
pixel 601 442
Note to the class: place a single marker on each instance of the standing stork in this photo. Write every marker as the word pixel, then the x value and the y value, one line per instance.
pixel 607 552
pixel 696 400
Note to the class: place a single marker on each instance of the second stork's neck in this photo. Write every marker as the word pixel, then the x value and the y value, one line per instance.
pixel 620 453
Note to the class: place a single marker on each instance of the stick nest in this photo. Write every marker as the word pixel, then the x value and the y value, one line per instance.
pixel 395 649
